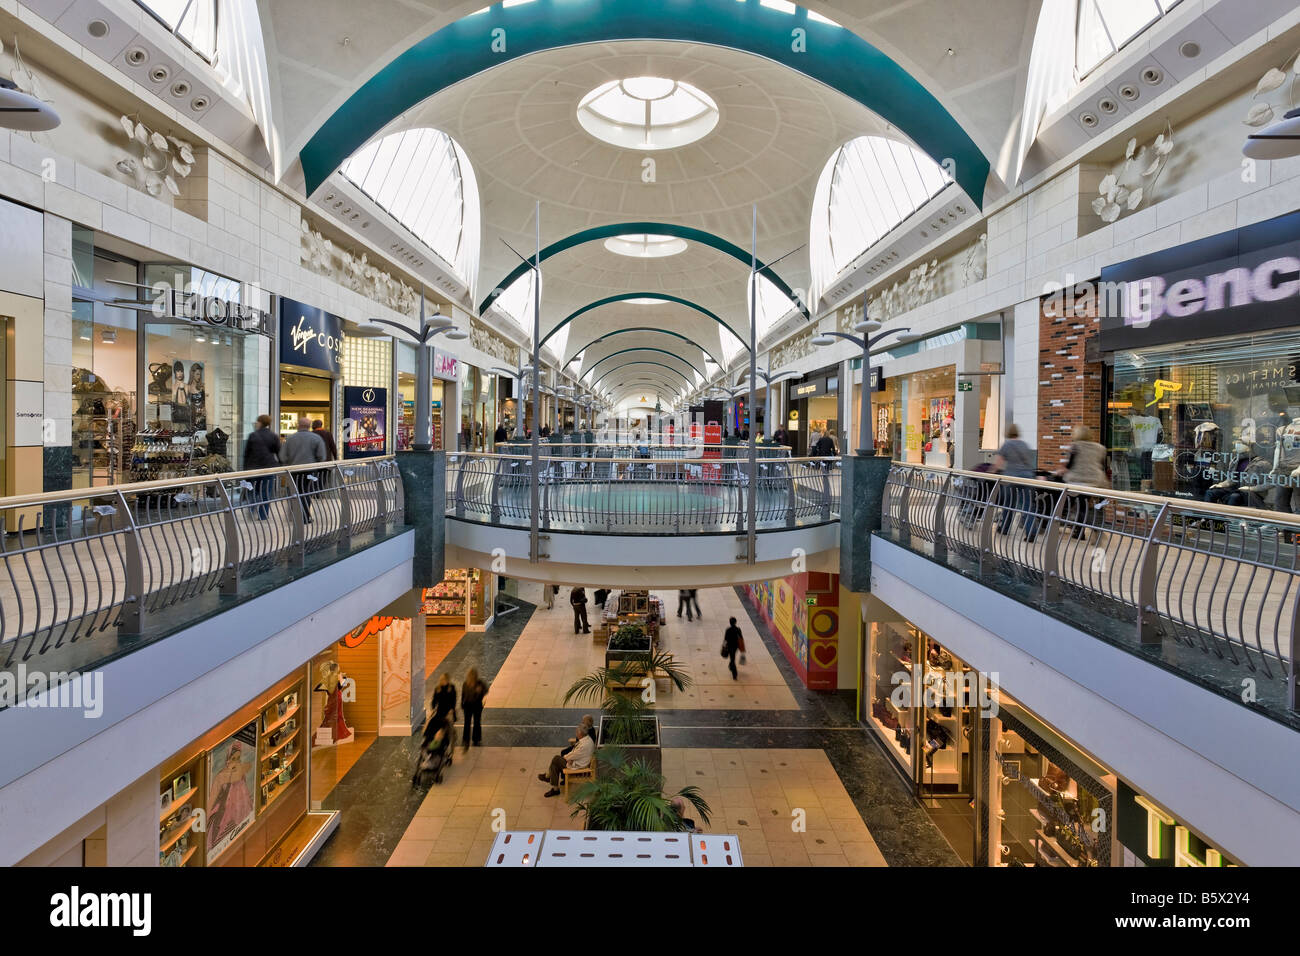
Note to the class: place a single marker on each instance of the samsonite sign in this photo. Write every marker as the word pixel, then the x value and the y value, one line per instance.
pixel 310 337
pixel 1243 281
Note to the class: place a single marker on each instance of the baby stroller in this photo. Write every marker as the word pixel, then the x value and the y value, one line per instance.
pixel 435 753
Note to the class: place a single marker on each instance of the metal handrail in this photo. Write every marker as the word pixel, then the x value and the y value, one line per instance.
pixel 1212 577
pixel 87 561
pixel 639 495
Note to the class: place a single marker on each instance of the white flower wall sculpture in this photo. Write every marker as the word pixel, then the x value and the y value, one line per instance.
pixel 920 286
pixel 1126 190
pixel 159 161
pixel 1261 111
pixel 355 272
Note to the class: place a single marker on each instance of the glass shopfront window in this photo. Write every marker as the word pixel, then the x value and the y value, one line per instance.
pixel 478 410
pixel 927 402
pixel 1216 420
pixel 203 393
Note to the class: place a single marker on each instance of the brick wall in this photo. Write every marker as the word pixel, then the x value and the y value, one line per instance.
pixel 1069 388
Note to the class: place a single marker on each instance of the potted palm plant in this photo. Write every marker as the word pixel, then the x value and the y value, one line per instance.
pixel 627 723
pixel 630 796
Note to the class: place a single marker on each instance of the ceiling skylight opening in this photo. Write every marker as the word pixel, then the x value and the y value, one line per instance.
pixel 648 112
pixel 645 247
pixel 643 300
pixel 818 18
pixel 783 5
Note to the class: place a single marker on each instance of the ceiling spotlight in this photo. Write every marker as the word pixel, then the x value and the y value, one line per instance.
pixel 1279 141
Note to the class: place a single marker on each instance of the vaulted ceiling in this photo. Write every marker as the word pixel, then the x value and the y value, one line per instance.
pixel 517 122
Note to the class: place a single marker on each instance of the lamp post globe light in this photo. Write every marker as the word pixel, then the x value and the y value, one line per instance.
pixel 430 327
pixel 865 341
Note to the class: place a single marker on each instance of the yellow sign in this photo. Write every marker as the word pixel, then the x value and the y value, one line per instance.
pixel 1162 386
pixel 794 415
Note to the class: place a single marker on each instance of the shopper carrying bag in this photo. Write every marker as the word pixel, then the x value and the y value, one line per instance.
pixel 731 643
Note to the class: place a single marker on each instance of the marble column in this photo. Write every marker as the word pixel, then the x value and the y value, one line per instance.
pixel 424 480
pixel 862 493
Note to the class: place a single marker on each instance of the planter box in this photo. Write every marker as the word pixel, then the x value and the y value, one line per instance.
pixel 614 655
pixel 650 754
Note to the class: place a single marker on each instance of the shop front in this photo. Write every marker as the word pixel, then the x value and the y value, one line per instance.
pixel 1149 835
pixel 464 599
pixel 238 795
pixel 311 365
pixel 360 691
pixel 446 405
pixel 802 613
pixel 1003 787
pixel 204 344
pixel 1201 345
pixel 814 410
pixel 479 413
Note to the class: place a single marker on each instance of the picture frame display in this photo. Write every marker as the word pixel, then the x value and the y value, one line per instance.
pixel 181 785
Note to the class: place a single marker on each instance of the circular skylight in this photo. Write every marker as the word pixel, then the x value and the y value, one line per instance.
pixel 648 112
pixel 645 247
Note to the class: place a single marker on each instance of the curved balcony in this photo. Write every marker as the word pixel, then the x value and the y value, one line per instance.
pixel 605 517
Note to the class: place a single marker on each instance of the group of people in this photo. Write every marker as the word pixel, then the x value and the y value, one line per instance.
pixel 1085 464
pixel 312 443
pixel 440 731
pixel 688 599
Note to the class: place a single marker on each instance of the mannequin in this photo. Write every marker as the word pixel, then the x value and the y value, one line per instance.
pixel 330 683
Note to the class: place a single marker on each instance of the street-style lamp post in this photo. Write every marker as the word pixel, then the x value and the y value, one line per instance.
pixel 867 326
pixel 769 380
pixel 519 375
pixel 431 327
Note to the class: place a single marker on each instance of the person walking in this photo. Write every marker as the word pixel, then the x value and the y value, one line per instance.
pixel 331 449
pixel 695 600
pixel 684 601
pixel 1016 459
pixel 444 698
pixel 301 448
pixel 578 598
pixel 262 450
pixel 500 434
pixel 1086 465
pixel 472 694
pixel 825 447
pixel 731 643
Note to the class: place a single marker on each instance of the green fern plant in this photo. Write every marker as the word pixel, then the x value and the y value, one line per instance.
pixel 631 797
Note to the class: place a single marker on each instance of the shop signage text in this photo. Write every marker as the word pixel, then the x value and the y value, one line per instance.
pixel 172 303
pixel 877 380
pixel 359 635
pixel 1243 281
pixel 365 420
pixel 445 366
pixel 310 337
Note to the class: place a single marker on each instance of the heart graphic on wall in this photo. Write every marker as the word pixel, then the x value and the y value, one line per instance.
pixel 825 653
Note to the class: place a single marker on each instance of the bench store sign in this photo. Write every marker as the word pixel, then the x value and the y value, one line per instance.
pixel 310 337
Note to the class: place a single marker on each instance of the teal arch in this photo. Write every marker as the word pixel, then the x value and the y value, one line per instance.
pixel 643 348
pixel 636 228
pixel 824 52
pixel 642 328
pixel 624 296
pixel 689 383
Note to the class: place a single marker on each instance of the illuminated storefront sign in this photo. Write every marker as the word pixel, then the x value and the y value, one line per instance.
pixel 1155 838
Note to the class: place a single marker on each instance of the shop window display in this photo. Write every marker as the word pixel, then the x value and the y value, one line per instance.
pixel 1211 421
pixel 1045 809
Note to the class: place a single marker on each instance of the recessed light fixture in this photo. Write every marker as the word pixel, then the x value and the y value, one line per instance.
pixel 1088 120
pixel 1107 105
pixel 159 73
pixel 199 104
pixel 97 29
pixel 137 56
pixel 1152 76
pixel 1190 50
pixel 1128 92
pixel 180 88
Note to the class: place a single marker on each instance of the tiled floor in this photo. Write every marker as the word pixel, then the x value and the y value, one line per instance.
pixel 796 778
pixel 787 806
pixel 549 657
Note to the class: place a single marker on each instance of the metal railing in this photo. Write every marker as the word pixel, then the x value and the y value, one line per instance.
pixel 1220 580
pixel 79 563
pixel 576 448
pixel 637 495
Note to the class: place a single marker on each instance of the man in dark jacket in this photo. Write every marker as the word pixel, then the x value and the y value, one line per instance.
pixel 578 598
pixel 331 449
pixel 500 435
pixel 262 451
pixel 825 447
